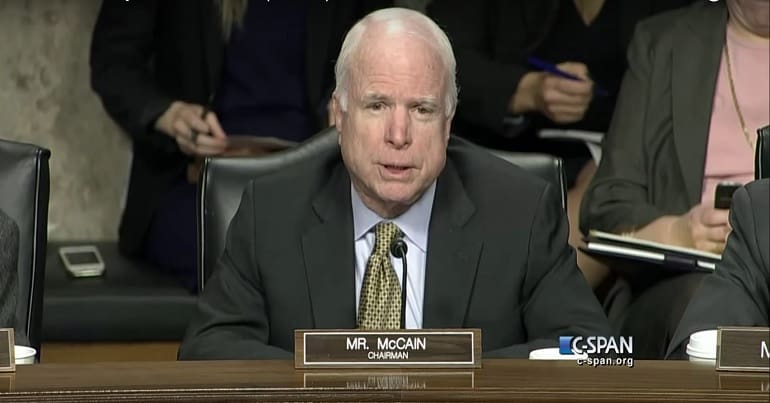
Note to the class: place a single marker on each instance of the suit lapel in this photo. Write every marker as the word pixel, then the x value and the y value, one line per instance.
pixel 329 257
pixel 453 254
pixel 695 66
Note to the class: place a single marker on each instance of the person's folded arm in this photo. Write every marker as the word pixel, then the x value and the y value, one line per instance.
pixel 122 49
pixel 556 300
pixel 738 292
pixel 486 86
pixel 617 198
pixel 232 321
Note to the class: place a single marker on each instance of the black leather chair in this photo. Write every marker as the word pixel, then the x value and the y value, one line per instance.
pixel 24 188
pixel 221 187
pixel 547 167
pixel 762 157
pixel 223 179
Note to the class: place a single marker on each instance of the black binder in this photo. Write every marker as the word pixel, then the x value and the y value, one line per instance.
pixel 634 249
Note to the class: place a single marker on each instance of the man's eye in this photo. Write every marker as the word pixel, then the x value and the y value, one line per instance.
pixel 377 106
pixel 424 110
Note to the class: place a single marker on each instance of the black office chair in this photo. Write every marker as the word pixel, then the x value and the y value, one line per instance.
pixel 762 156
pixel 547 167
pixel 24 187
pixel 221 187
pixel 223 179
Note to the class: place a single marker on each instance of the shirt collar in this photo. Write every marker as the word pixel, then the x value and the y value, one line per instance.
pixel 413 222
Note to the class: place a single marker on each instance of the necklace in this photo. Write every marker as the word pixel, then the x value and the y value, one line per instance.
pixel 735 98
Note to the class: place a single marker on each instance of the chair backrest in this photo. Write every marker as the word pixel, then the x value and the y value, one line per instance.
pixel 223 180
pixel 24 187
pixel 545 166
pixel 221 187
pixel 762 157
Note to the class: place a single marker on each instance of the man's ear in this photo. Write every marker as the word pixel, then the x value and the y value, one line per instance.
pixel 335 115
pixel 448 128
pixel 335 111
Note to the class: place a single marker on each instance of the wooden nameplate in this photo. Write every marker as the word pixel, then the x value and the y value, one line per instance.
pixel 743 349
pixel 412 348
pixel 7 359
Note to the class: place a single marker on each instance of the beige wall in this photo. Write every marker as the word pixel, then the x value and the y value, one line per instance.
pixel 46 100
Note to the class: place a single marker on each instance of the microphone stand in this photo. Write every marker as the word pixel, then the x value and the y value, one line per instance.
pixel 398 249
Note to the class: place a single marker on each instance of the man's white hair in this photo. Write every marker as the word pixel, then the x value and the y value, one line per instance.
pixel 398 21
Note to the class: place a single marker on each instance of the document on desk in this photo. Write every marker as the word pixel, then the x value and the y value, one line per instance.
pixel 669 256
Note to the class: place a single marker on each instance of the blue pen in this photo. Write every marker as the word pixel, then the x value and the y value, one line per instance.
pixel 551 68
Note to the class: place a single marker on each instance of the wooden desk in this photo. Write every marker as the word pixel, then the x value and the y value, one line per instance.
pixel 498 380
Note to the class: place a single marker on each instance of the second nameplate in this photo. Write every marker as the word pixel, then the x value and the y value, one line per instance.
pixel 418 348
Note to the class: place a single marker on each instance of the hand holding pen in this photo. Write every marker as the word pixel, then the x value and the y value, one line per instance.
pixel 562 92
pixel 560 71
pixel 195 128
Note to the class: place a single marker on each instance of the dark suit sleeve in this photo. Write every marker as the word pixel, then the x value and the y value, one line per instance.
pixel 486 85
pixel 122 48
pixel 617 198
pixel 231 322
pixel 738 292
pixel 556 300
pixel 9 254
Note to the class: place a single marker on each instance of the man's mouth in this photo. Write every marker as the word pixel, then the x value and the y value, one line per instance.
pixel 396 169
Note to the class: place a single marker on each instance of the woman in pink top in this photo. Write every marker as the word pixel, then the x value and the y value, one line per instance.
pixel 695 93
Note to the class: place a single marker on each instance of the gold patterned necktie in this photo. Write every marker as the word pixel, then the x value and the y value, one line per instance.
pixel 380 304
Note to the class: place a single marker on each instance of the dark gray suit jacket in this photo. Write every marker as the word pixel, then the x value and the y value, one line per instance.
pixel 738 293
pixel 9 254
pixel 655 150
pixel 497 259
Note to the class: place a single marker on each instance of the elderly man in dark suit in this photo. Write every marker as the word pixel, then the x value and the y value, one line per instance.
pixel 738 292
pixel 9 254
pixel 308 247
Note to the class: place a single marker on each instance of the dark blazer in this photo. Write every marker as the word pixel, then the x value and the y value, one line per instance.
pixel 491 40
pixel 9 255
pixel 498 259
pixel 146 54
pixel 738 292
pixel 655 150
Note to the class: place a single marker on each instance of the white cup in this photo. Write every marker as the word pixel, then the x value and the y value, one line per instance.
pixel 553 354
pixel 702 346
pixel 24 355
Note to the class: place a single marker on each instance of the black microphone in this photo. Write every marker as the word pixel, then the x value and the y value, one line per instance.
pixel 398 249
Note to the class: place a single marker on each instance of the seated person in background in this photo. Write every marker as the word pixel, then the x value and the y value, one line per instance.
pixel 487 242
pixel 261 68
pixel 738 292
pixel 695 91
pixel 9 255
pixel 587 38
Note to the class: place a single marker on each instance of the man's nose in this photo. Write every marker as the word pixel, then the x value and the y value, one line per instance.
pixel 398 133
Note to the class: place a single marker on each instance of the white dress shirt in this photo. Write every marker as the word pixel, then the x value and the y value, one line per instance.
pixel 414 224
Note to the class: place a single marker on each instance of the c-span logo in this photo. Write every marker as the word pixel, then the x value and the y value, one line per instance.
pixel 601 345
pixel 601 350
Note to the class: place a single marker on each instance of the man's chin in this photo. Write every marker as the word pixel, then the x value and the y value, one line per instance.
pixel 399 202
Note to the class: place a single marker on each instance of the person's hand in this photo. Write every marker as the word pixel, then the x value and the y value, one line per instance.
pixel 559 99
pixel 195 134
pixel 704 228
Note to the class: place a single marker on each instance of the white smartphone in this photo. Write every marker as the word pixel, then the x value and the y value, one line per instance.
pixel 82 261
